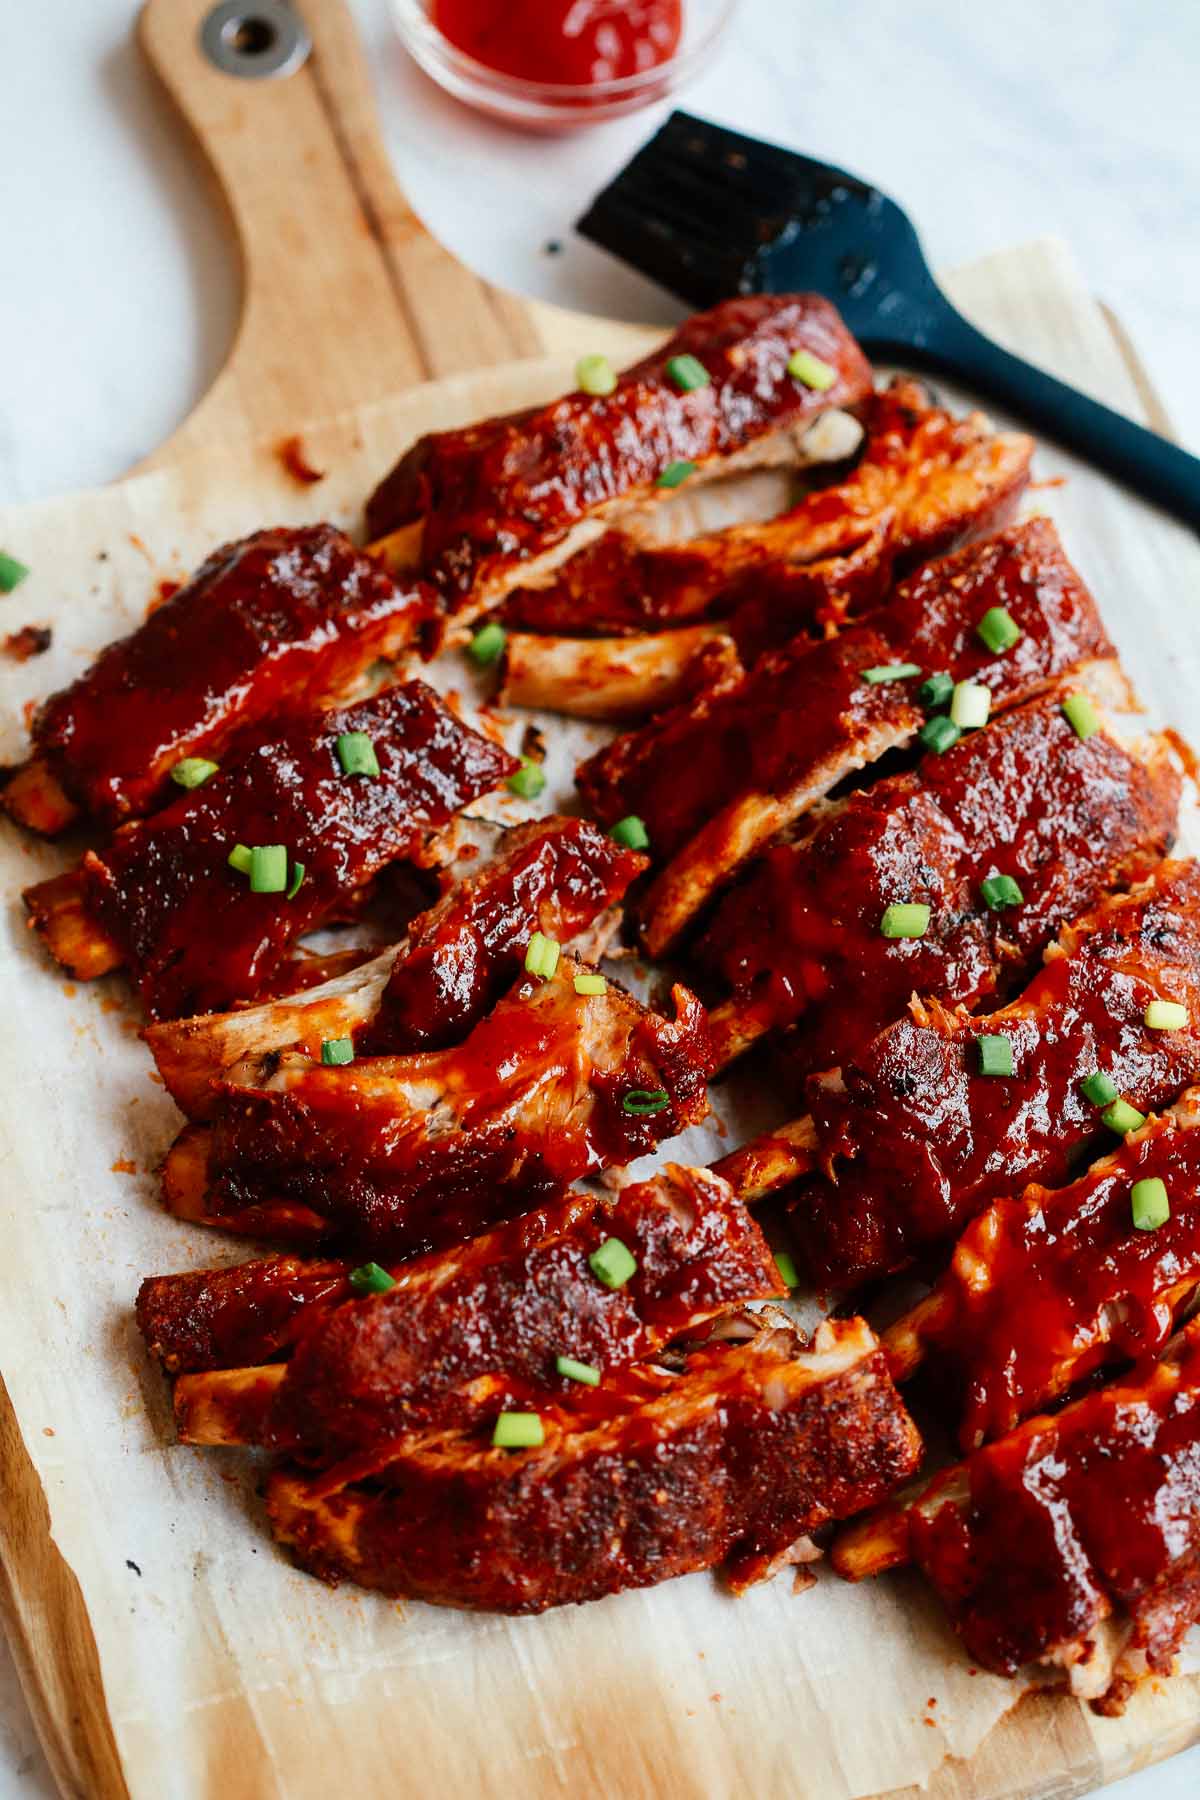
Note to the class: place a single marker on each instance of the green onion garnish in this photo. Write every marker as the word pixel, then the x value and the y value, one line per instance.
pixel 239 859
pixel 1122 1118
pixel 487 646
pixel 369 1278
pixel 687 372
pixel 642 1102
pixel 808 369
pixel 631 832
pixel 12 572
pixel 935 692
pixel 590 984
pixel 518 1431
pixel 588 1373
pixel 890 672
pixel 613 1263
pixel 1149 1203
pixel 356 753
pixel 528 781
pixel 999 892
pixel 297 881
pixel 995 1055
pixel 594 375
pixel 675 473
pixel 1166 1015
pixel 1098 1089
pixel 1081 715
pixel 905 920
pixel 541 956
pixel 939 733
pixel 193 771
pixel 268 868
pixel 337 1052
pixel 786 1265
pixel 970 705
pixel 998 629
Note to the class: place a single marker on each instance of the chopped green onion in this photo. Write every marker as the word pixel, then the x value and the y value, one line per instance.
pixel 786 1265
pixel 613 1263
pixel 12 572
pixel 808 369
pixel 687 372
pixel 356 753
pixel 595 375
pixel 487 646
pixel 1122 1118
pixel 890 672
pixel 541 956
pixel 268 868
pixel 935 692
pixel 1166 1015
pixel 590 984
pixel 939 733
pixel 518 1431
pixel 970 705
pixel 369 1278
pixel 631 832
pixel 193 771
pixel 643 1102
pixel 905 920
pixel 1098 1088
pixel 998 629
pixel 337 1052
pixel 995 1055
pixel 1081 715
pixel 239 858
pixel 528 781
pixel 297 881
pixel 1149 1203
pixel 588 1373
pixel 675 473
pixel 999 892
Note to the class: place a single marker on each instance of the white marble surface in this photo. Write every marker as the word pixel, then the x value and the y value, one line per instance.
pixel 992 125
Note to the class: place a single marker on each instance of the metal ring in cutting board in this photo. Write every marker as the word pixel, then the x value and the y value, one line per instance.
pixel 255 39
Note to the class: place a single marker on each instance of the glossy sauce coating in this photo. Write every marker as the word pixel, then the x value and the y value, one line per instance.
pixel 917 1141
pixel 1070 1517
pixel 196 938
pixel 285 619
pixel 1067 818
pixel 495 494
pixel 806 704
pixel 552 875
pixel 574 43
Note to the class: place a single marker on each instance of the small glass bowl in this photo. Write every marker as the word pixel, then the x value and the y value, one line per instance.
pixel 551 105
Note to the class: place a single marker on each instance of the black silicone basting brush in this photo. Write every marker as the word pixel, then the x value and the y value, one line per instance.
pixel 709 213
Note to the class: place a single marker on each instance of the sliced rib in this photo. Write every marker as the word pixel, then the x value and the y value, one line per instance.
pixel 616 679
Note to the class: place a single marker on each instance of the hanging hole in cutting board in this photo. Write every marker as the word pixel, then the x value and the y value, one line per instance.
pixel 255 39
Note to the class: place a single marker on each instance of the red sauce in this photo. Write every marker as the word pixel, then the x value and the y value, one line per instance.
pixel 575 43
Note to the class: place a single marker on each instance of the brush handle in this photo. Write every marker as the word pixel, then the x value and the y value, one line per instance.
pixel 1153 466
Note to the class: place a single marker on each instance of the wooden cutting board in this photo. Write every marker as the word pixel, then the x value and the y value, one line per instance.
pixel 347 304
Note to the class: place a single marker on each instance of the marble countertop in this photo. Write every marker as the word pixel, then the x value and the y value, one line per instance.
pixel 992 126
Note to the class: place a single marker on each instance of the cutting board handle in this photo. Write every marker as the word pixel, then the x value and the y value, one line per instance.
pixel 346 296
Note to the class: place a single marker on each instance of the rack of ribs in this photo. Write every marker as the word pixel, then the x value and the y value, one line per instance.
pixel 163 899
pixel 290 618
pixel 717 780
pixel 1073 1542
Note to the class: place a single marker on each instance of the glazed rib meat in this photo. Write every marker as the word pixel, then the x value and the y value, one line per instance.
pixel 737 1455
pixel 915 1139
pixel 192 931
pixel 496 503
pixel 1074 1541
pixel 560 876
pixel 717 780
pixel 365 1370
pixel 799 941
pixel 1046 1288
pixel 393 1154
pixel 924 482
pixel 285 619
